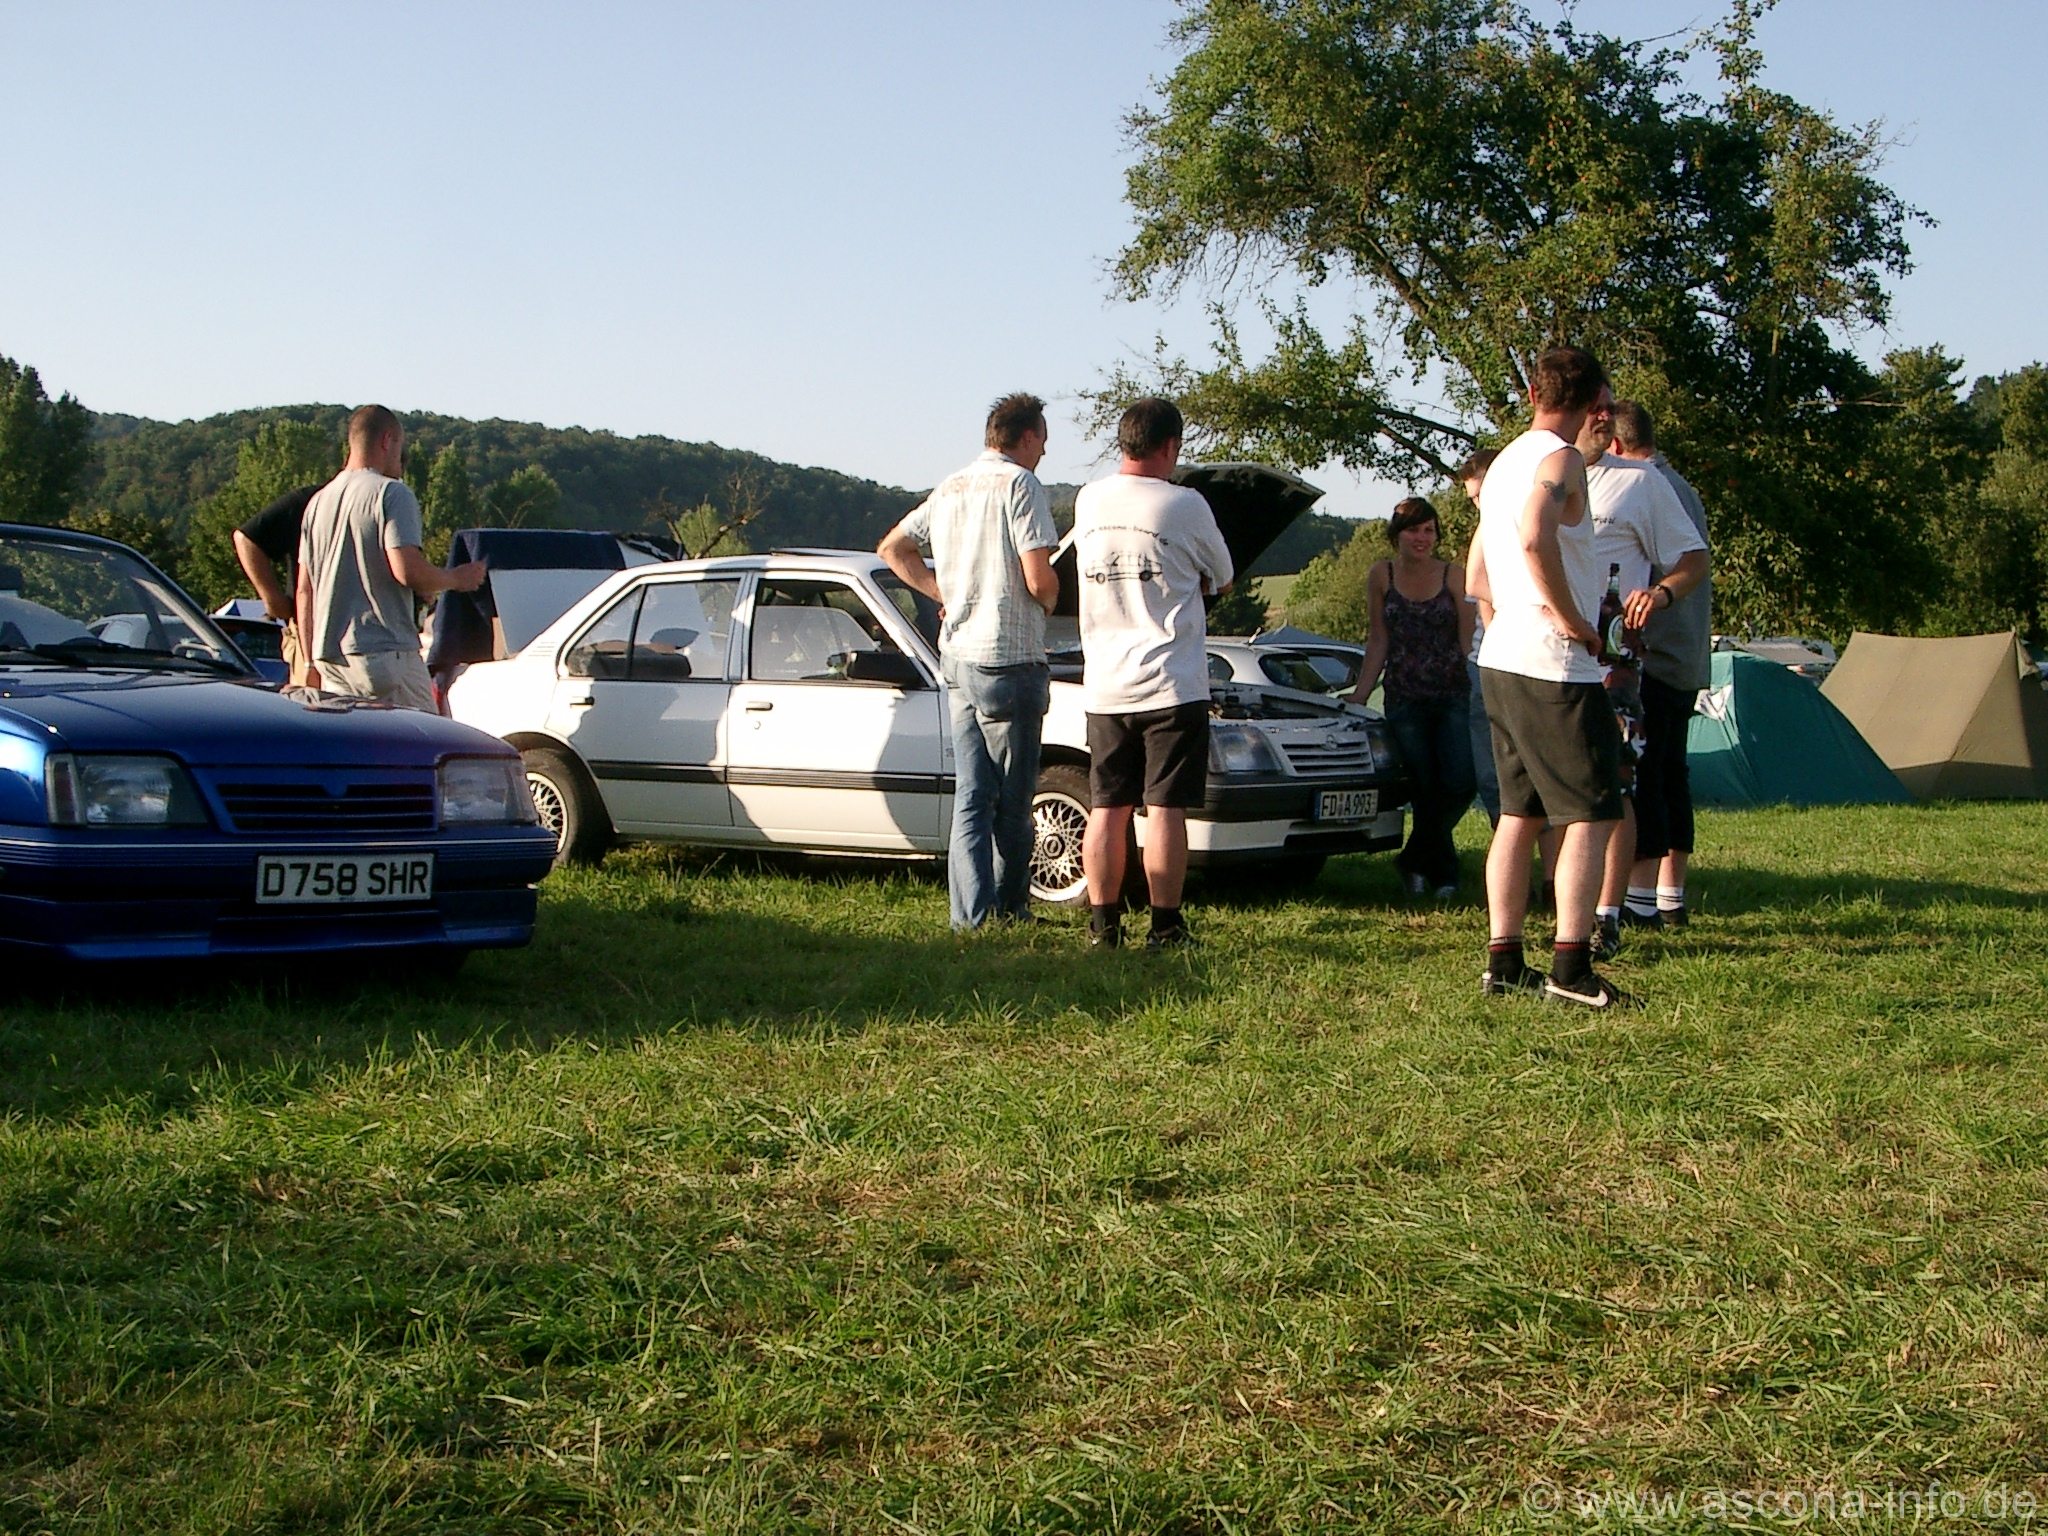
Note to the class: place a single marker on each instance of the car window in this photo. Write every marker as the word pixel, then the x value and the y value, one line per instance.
pixel 1293 672
pixel 804 630
pixel 669 632
pixel 684 630
pixel 601 650
pixel 102 604
pixel 1337 672
pixel 1219 669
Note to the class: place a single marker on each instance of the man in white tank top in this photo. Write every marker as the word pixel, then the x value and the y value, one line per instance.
pixel 1556 748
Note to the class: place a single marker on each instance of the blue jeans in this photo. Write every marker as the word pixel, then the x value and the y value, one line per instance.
pixel 998 716
pixel 1435 738
pixel 1482 748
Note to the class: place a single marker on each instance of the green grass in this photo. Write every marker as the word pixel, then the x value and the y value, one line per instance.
pixel 751 1199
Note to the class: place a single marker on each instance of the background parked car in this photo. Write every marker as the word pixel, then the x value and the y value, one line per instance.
pixel 1809 658
pixel 1241 661
pixel 158 800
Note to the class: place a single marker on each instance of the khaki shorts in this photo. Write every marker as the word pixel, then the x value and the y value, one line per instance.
pixel 397 678
pixel 294 655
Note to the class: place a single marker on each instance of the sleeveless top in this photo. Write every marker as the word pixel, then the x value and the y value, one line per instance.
pixel 1423 659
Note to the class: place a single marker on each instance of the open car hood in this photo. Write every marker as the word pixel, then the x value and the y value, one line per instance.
pixel 1254 504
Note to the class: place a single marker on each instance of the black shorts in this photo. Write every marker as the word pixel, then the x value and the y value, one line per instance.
pixel 1555 746
pixel 1157 756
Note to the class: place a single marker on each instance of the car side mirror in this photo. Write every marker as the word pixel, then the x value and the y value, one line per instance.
pixel 891 667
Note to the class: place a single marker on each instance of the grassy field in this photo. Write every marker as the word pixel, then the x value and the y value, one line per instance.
pixel 753 1200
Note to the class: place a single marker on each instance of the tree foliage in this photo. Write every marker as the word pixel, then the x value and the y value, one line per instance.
pixel 281 456
pixel 1492 186
pixel 450 504
pixel 45 446
pixel 1240 611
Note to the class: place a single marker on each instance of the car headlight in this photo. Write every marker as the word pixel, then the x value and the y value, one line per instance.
pixel 1386 755
pixel 485 791
pixel 1240 749
pixel 111 791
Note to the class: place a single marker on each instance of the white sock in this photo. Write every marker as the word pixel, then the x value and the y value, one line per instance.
pixel 1642 900
pixel 1604 913
pixel 1670 898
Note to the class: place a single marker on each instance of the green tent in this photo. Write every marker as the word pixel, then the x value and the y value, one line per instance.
pixel 1765 736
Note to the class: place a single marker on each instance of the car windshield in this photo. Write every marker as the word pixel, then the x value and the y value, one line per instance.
pixel 80 604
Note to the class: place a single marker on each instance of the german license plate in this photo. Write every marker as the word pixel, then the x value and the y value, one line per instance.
pixel 330 879
pixel 1347 804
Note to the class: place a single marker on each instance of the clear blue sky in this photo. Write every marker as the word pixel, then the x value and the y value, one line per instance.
pixel 828 233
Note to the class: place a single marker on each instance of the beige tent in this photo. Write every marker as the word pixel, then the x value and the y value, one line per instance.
pixel 1962 719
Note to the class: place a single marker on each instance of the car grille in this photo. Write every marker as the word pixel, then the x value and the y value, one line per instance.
pixel 312 805
pixel 1328 752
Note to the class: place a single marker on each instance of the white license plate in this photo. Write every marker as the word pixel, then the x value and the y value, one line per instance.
pixel 331 879
pixel 1347 804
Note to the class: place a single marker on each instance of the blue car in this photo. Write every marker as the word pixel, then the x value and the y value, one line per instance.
pixel 159 801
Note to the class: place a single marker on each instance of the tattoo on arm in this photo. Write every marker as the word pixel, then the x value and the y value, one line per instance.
pixel 1553 490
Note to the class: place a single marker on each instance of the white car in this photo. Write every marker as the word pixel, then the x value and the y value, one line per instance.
pixel 793 700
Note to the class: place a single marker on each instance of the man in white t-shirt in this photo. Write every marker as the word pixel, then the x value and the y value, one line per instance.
pixel 1148 552
pixel 1556 748
pixel 1639 525
pixel 991 535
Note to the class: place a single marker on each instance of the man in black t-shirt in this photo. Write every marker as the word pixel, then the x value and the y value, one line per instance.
pixel 267 545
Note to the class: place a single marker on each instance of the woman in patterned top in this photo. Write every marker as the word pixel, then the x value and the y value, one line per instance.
pixel 1421 629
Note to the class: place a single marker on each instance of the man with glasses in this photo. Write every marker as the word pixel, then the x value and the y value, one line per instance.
pixel 361 567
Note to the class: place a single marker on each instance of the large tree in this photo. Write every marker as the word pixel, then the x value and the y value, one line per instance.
pixel 1488 186
pixel 45 448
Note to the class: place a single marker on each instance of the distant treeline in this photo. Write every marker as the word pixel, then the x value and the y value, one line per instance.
pixel 154 474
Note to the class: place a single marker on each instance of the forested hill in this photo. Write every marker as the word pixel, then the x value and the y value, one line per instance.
pixel 606 481
pixel 155 473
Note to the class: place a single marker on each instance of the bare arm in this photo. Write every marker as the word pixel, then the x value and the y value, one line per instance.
pixel 305 616
pixel 1039 578
pixel 262 575
pixel 1375 660
pixel 425 578
pixel 1476 583
pixel 1689 571
pixel 900 553
pixel 1558 500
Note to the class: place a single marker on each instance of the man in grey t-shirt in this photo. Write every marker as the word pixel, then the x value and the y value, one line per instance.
pixel 1676 665
pixel 360 567
pixel 991 535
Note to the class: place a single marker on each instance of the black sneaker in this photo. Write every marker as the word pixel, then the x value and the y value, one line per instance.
pixel 1631 918
pixel 1105 938
pixel 1177 937
pixel 1671 917
pixel 1590 991
pixel 1607 939
pixel 1507 983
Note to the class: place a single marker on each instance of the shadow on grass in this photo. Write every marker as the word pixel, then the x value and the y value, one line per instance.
pixel 646 945
pixel 1730 891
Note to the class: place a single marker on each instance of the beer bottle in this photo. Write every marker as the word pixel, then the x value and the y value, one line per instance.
pixel 1613 643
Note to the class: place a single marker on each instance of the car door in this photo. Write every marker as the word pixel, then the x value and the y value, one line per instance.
pixel 819 755
pixel 642 695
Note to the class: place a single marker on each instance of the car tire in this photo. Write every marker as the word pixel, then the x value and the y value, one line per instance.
pixel 1059 821
pixel 568 806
